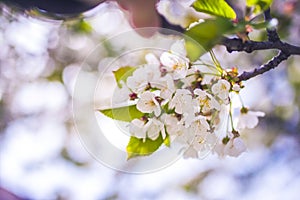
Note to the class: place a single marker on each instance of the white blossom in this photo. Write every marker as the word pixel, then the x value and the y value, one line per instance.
pixel 150 129
pixel 234 147
pixel 189 79
pixel 199 126
pixel 151 59
pixel 236 88
pixel 166 86
pixel 176 61
pixel 206 101
pixel 178 11
pixel 221 89
pixel 137 128
pixel 205 142
pixel 193 118
pixel 220 123
pixel 121 94
pixel 248 119
pixel 148 104
pixel 142 77
pixel 155 127
pixel 174 127
pixel 182 101
pixel 178 48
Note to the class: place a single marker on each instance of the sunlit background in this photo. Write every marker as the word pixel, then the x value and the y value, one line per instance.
pixel 42 157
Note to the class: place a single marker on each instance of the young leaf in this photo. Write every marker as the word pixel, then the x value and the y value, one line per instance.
pixel 122 74
pixel 127 113
pixel 260 5
pixel 167 141
pixel 139 147
pixel 206 34
pixel 215 7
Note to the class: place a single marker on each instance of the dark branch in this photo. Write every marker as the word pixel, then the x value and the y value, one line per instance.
pixel 272 33
pixel 236 44
pixel 274 42
pixel 268 66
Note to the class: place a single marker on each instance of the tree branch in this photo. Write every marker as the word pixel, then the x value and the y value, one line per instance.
pixel 274 42
pixel 267 67
pixel 236 44
pixel 272 33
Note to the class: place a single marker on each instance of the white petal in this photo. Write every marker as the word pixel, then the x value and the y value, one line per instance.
pixel 179 48
pixel 137 128
pixel 168 60
pixel 190 153
pixel 152 59
pixel 155 127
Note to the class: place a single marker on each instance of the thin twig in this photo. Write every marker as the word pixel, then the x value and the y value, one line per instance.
pixel 272 33
pixel 274 42
pixel 266 67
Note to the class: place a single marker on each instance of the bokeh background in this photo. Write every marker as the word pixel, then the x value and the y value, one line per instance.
pixel 42 157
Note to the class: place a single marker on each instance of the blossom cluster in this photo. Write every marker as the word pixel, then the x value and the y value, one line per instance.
pixel 186 103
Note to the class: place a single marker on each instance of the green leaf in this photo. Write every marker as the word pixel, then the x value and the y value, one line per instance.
pixel 82 26
pixel 127 113
pixel 204 36
pixel 122 74
pixel 260 5
pixel 138 147
pixel 215 7
pixel 167 141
